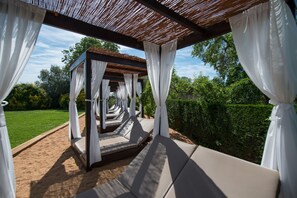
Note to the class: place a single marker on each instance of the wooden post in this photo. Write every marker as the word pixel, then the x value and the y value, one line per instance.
pixel 101 107
pixel 132 95
pixel 88 106
pixel 71 73
pixel 142 106
pixel 292 6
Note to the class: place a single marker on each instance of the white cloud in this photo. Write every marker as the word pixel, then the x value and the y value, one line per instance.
pixel 48 51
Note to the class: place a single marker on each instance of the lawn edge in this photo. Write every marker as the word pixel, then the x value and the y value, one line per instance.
pixel 18 149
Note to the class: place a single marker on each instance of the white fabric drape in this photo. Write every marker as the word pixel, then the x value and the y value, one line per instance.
pixel 265 40
pixel 139 92
pixel 124 95
pixel 159 72
pixel 76 86
pixel 104 98
pixel 19 28
pixel 98 69
pixel 129 83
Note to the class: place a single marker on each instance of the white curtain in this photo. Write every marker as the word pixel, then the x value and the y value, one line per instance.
pixel 76 86
pixel 159 69
pixel 266 42
pixel 19 28
pixel 104 98
pixel 139 92
pixel 131 82
pixel 124 95
pixel 98 69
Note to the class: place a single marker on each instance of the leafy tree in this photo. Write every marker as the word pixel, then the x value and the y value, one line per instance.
pixel 220 53
pixel 245 92
pixel 26 97
pixel 148 99
pixel 55 82
pixel 180 87
pixel 74 52
pixel 209 91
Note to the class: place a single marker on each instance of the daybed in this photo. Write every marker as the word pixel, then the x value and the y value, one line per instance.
pixel 169 168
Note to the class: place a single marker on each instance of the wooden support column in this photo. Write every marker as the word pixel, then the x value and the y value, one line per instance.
pixel 142 106
pixel 101 107
pixel 132 95
pixel 88 106
pixel 71 73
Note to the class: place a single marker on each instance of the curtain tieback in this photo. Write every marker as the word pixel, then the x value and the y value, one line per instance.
pixel 4 103
pixel 2 118
pixel 276 103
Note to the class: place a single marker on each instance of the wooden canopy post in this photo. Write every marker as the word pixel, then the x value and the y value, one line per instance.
pixel 142 106
pixel 101 107
pixel 71 73
pixel 88 106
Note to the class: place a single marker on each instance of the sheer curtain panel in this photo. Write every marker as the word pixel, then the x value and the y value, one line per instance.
pixel 98 69
pixel 159 67
pixel 19 28
pixel 76 85
pixel 266 44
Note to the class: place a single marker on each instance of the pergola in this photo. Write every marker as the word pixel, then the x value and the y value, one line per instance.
pixel 151 25
pixel 117 65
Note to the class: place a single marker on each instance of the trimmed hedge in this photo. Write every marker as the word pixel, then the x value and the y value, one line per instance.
pixel 238 130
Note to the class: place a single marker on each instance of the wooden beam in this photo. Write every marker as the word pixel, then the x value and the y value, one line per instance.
pixel 170 14
pixel 78 61
pixel 219 29
pixel 117 60
pixel 74 25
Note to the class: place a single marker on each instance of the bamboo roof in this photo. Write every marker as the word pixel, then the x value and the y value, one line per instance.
pixel 130 22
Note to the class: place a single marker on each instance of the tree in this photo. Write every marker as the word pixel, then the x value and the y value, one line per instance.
pixel 220 53
pixel 180 87
pixel 245 92
pixel 209 91
pixel 85 43
pixel 55 82
pixel 26 97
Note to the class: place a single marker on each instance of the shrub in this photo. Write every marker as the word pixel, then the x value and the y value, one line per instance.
pixel 238 130
pixel 80 101
pixel 27 97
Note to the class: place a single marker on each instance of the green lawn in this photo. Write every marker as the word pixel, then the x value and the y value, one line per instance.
pixel 24 125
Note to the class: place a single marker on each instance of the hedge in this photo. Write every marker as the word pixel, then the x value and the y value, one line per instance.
pixel 238 130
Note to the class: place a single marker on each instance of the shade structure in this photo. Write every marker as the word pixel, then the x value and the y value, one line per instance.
pixel 265 39
pixel 110 71
pixel 130 23
pixel 20 25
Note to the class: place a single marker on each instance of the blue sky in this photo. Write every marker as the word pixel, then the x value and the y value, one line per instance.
pixel 51 42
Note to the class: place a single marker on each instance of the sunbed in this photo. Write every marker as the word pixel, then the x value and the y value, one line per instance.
pixel 169 168
pixel 129 139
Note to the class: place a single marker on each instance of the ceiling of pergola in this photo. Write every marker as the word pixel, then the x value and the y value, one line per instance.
pixel 130 22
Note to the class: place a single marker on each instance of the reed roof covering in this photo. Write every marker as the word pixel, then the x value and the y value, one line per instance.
pixel 157 21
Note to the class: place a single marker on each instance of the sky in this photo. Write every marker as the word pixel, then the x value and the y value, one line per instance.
pixel 52 41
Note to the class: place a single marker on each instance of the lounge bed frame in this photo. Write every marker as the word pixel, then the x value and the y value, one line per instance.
pixel 127 140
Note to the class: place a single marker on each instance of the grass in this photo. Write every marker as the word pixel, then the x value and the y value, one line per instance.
pixel 24 125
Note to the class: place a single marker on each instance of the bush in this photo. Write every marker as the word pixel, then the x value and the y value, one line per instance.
pixel 80 101
pixel 238 130
pixel 27 97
